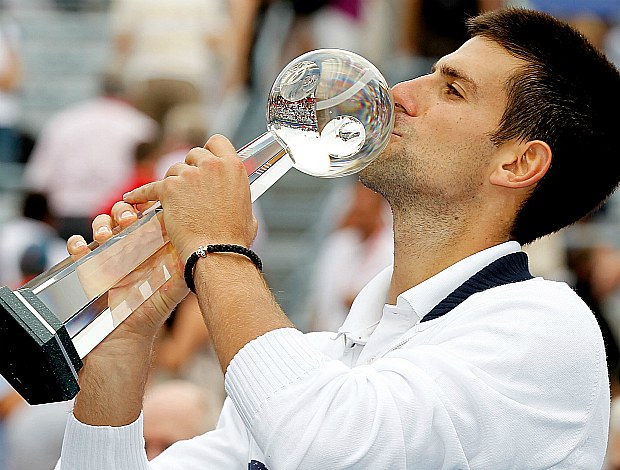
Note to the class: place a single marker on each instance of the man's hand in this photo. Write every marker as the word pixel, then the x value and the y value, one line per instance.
pixel 114 374
pixel 206 200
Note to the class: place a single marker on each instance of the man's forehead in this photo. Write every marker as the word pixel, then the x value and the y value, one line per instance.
pixel 481 61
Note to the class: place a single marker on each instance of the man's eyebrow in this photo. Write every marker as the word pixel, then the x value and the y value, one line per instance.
pixel 449 71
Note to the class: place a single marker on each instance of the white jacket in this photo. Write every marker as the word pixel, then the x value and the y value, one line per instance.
pixel 513 377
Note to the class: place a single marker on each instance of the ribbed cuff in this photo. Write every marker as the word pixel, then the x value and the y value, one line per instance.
pixel 267 365
pixel 88 447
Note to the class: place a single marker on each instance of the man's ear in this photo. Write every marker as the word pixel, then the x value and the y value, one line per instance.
pixel 524 167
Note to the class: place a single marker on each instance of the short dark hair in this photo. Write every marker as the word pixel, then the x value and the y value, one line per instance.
pixel 568 95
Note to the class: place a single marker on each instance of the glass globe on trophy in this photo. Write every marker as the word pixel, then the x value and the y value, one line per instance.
pixel 329 114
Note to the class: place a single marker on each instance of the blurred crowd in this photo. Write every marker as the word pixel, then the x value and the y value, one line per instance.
pixel 180 70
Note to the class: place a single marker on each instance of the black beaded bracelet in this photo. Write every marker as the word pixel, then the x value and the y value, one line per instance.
pixel 202 252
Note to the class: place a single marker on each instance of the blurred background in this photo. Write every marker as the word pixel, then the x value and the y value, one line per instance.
pixel 100 96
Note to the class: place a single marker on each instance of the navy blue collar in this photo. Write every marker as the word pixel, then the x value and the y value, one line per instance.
pixel 505 270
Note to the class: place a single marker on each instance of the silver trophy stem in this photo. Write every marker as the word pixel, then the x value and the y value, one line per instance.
pixel 266 161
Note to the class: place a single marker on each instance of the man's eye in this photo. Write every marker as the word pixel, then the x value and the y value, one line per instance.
pixel 451 90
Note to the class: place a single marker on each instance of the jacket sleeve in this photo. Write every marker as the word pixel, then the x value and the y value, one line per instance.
pixel 112 448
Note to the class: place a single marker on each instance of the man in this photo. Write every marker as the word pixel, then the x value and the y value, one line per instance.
pixel 494 148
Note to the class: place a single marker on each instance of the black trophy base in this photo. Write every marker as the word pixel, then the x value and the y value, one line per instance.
pixel 37 356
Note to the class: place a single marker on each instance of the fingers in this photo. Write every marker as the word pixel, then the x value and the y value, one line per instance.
pixel 123 214
pixel 77 247
pixel 217 146
pixel 175 169
pixel 196 156
pixel 220 145
pixel 144 206
pixel 102 228
pixel 146 193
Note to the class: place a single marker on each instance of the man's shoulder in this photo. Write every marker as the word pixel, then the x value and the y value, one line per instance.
pixel 547 296
pixel 537 305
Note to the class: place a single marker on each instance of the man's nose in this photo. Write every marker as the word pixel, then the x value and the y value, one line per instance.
pixel 408 95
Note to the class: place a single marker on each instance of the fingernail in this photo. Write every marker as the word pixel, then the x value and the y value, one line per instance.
pixel 126 215
pixel 126 194
pixel 80 244
pixel 102 230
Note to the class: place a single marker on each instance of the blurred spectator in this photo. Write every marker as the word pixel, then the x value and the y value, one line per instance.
pixel 174 411
pixel 592 17
pixel 30 234
pixel 430 29
pixel 184 351
pixel 184 128
pixel 548 258
pixel 246 21
pixel 184 334
pixel 343 24
pixel 10 80
pixel 612 459
pixel 434 28
pixel 340 24
pixel 9 399
pixel 324 23
pixel 34 435
pixel 84 153
pixel 80 5
pixel 597 276
pixel 69 5
pixel 143 172
pixel 253 45
pixel 360 247
pixel 166 50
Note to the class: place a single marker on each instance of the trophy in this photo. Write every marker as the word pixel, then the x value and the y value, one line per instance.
pixel 329 114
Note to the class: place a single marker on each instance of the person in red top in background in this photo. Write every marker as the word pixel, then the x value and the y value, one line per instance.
pixel 145 158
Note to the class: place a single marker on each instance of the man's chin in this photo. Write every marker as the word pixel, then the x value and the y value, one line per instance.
pixel 368 176
pixel 378 162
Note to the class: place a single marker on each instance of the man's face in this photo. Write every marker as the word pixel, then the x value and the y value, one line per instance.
pixel 440 149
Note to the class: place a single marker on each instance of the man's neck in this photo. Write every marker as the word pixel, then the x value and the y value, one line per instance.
pixel 426 245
